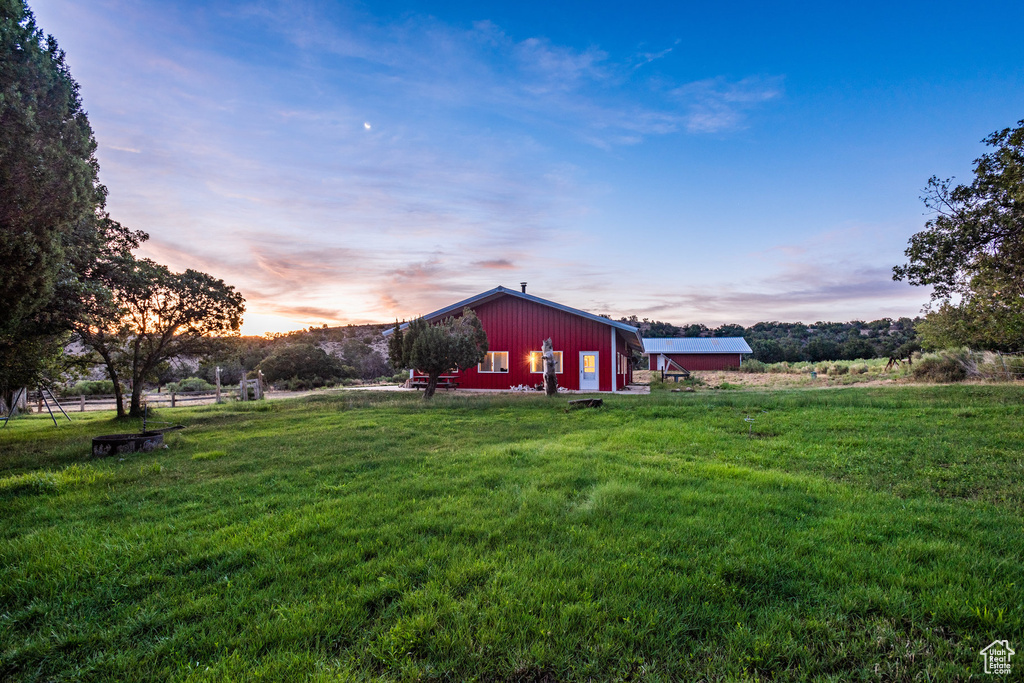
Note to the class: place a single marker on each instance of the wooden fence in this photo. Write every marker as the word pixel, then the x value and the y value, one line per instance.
pixel 108 401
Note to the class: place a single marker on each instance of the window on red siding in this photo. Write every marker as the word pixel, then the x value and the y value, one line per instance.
pixel 494 361
pixel 537 362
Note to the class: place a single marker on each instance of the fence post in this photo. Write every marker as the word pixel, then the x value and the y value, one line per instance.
pixel 259 385
pixel 81 403
pixel 172 399
pixel 1006 370
pixel 218 384
pixel 243 388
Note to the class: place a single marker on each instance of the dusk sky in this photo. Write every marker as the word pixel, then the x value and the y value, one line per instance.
pixel 701 162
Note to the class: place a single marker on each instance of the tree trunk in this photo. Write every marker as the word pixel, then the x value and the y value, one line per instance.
pixel 118 395
pixel 550 380
pixel 431 385
pixel 118 398
pixel 136 407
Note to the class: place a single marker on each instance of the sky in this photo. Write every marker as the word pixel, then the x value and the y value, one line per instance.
pixel 688 162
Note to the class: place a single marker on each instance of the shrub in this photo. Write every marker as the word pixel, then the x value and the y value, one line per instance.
pixel 835 370
pixel 753 365
pixel 859 369
pixel 301 361
pixel 190 384
pixel 400 377
pixel 941 368
pixel 230 372
pixel 303 384
pixel 90 388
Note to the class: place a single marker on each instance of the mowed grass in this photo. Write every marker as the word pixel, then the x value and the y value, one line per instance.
pixel 859 534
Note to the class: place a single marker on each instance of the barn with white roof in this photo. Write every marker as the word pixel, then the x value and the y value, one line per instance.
pixel 695 353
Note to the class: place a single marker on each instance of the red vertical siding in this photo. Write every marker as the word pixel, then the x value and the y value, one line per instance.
pixel 702 361
pixel 519 326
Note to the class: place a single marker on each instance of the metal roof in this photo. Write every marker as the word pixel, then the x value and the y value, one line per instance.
pixel 502 291
pixel 696 345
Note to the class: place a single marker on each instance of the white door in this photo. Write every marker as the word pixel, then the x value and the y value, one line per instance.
pixel 588 371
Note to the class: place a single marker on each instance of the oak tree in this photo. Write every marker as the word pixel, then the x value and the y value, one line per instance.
pixel 972 252
pixel 153 315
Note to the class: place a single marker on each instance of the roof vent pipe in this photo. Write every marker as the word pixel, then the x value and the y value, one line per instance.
pixel 523 285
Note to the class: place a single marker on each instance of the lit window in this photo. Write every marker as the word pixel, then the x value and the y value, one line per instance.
pixel 589 363
pixel 537 361
pixel 495 361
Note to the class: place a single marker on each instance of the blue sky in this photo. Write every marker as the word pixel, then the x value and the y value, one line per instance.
pixel 358 162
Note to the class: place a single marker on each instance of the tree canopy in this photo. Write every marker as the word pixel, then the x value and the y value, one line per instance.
pixel 453 344
pixel 154 314
pixel 48 170
pixel 50 197
pixel 972 251
pixel 301 361
pixel 56 241
pixel 66 264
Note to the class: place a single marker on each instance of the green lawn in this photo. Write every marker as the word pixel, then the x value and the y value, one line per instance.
pixel 861 534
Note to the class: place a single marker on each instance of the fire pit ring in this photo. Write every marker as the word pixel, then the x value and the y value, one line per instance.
pixel 116 444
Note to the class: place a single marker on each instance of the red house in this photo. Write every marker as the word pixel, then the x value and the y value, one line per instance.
pixel 591 353
pixel 695 353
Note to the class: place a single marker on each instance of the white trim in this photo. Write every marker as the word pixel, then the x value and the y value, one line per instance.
pixel 615 360
pixel 494 372
pixel 597 369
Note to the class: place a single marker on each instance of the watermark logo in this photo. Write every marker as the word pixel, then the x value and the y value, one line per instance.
pixel 997 657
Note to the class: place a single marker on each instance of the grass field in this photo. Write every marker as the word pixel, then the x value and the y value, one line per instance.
pixel 858 534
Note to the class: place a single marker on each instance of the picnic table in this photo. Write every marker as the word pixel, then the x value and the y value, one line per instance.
pixel 443 382
pixel 685 374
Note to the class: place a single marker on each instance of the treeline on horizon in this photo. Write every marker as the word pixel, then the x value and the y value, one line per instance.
pixel 771 342
pixel 775 342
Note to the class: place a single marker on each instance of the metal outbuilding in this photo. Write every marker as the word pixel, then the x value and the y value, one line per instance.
pixel 696 353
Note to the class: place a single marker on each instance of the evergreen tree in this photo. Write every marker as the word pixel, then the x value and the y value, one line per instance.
pixel 51 220
pixel 452 344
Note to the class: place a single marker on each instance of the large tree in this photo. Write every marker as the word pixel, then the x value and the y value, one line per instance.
pixel 48 171
pixel 52 225
pixel 972 251
pixel 452 344
pixel 153 315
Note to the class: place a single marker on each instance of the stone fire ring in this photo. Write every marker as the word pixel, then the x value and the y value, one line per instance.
pixel 116 444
